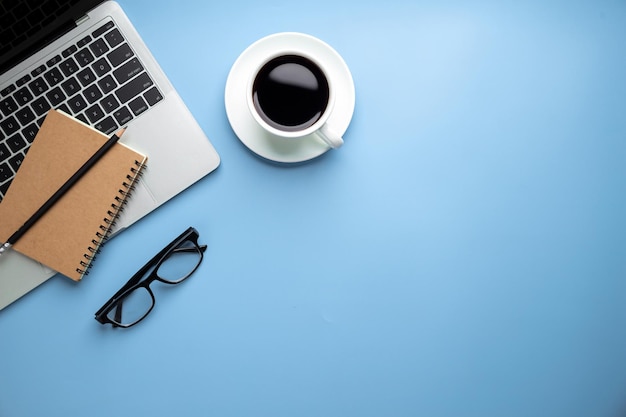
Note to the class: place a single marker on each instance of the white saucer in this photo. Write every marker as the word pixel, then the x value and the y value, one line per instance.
pixel 248 130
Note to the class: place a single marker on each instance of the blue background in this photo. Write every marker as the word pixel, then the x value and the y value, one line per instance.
pixel 464 253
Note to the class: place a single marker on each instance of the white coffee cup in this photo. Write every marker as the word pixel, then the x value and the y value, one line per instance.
pixel 291 96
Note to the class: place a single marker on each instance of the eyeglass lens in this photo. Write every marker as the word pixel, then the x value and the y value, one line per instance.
pixel 135 306
pixel 179 264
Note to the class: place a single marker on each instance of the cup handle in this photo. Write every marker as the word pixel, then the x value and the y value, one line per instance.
pixel 329 136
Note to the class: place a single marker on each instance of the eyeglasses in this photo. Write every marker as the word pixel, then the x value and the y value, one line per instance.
pixel 172 265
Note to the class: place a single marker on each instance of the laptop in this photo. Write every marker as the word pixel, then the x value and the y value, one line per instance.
pixel 85 58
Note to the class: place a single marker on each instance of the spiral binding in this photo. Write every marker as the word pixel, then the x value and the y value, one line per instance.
pixel 112 215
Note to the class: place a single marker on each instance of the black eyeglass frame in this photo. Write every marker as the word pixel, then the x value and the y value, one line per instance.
pixel 136 281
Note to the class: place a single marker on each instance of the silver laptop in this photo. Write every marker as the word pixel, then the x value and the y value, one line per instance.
pixel 85 58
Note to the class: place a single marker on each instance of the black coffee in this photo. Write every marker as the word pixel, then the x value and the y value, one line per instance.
pixel 290 93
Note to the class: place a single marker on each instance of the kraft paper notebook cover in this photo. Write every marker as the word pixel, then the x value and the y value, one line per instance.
pixel 69 235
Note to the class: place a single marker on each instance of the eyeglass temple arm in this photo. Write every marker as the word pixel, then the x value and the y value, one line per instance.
pixel 202 248
pixel 118 314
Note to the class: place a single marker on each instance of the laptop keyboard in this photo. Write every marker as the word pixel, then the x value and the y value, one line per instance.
pixel 98 80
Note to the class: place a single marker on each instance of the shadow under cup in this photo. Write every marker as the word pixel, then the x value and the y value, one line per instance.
pixel 290 93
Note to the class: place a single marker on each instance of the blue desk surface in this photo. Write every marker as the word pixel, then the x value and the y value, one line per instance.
pixel 464 253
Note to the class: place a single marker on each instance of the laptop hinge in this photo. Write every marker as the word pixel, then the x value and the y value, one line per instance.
pixel 82 20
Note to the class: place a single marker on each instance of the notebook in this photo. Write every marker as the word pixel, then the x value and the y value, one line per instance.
pixel 85 57
pixel 69 235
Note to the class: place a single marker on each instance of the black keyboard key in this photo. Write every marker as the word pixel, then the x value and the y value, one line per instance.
pixel 9 125
pixel 86 77
pixel 69 51
pixel 82 118
pixel 153 96
pixel 94 113
pixel 25 115
pixel 99 47
pixel 69 67
pixel 114 38
pixel 53 61
pixel 133 88
pixel 109 103
pixel 138 106
pixel 120 55
pixel 102 29
pixel 38 86
pixel 8 90
pixel 56 96
pixel 92 93
pixel 107 84
pixel 4 152
pixel 84 57
pixel 3 189
pixel 38 71
pixel 16 161
pixel 40 105
pixel 8 106
pixel 71 86
pixel 16 143
pixel 84 41
pixel 53 77
pixel 77 103
pixel 63 107
pixel 106 126
pixel 30 132
pixel 5 172
pixel 127 71
pixel 101 67
pixel 23 80
pixel 23 96
pixel 123 116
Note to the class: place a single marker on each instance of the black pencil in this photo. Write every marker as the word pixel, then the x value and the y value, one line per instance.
pixel 61 191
